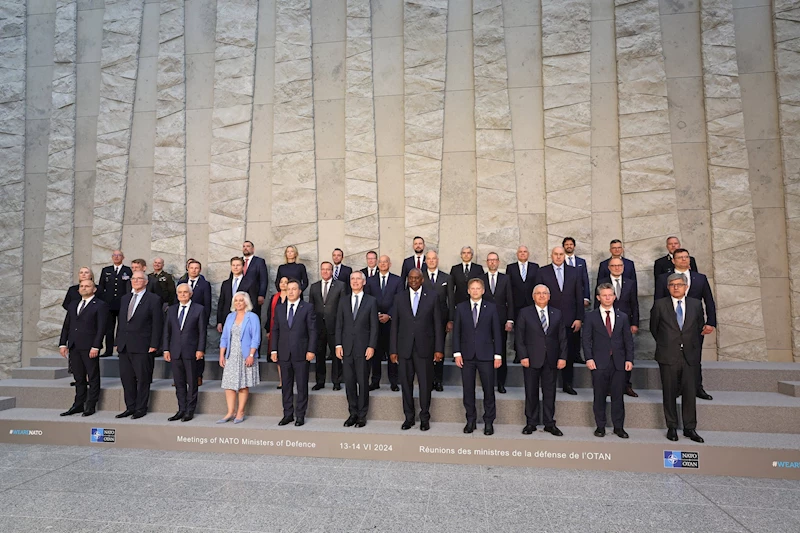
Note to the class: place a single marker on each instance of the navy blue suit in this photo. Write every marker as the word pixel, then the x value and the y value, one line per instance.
pixel 410 263
pixel 522 290
pixel 629 271
pixel 628 303
pixel 355 335
pixel 580 264
pixel 292 343
pixel 503 298
pixel 134 339
pixel 201 294
pixel 344 276
pixel 80 333
pixel 385 298
pixel 257 274
pixel 183 345
pixel 477 344
pixel 246 284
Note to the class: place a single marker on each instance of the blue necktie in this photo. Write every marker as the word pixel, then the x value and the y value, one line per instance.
pixel 544 321
pixel 383 283
pixel 679 313
pixel 291 315
pixel 475 315
pixel 180 316
pixel 355 308
pixel 560 277
pixel 415 303
pixel 524 273
pixel 235 285
pixel 571 261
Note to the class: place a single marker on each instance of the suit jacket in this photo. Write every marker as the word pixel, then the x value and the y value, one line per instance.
pixel 503 297
pixel 386 296
pixel 365 270
pixel 580 264
pixel 201 294
pixel 663 265
pixel 628 273
pixel 344 275
pixel 534 344
pixel 570 300
pixel 442 288
pixel 458 282
pixel 699 289
pixel 522 290
pixel 357 334
pixel 410 263
pixel 425 330
pixel 144 329
pixel 184 343
pixel 111 286
pixel 326 310
pixel 152 286
pixel 628 301
pixel 607 350
pixel 292 343
pixel 481 341
pixel 72 296
pixel 87 330
pixel 258 275
pixel 246 284
pixel 670 338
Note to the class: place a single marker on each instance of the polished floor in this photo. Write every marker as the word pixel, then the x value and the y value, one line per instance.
pixel 76 489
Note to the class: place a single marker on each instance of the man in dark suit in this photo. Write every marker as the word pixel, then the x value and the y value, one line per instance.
pixel 138 336
pixel 616 250
pixel 608 347
pixel 522 275
pixel 460 274
pixel 324 295
pixel 356 339
pixel 626 300
pixel 184 343
pixel 255 272
pixel 568 243
pixel 201 294
pixel 414 261
pixel 153 287
pixel 497 289
pixel 476 349
pixel 383 286
pixel 676 324
pixel 237 282
pixel 110 289
pixel 293 340
pixel 416 341
pixel 698 288
pixel 664 265
pixel 372 264
pixel 341 272
pixel 81 339
pixel 438 281
pixel 541 337
pixel 566 295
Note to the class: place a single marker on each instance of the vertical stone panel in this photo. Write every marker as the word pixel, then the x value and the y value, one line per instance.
pixel 57 244
pixel 738 294
pixel 424 52
pixel 122 24
pixel 566 58
pixel 12 177
pixel 361 174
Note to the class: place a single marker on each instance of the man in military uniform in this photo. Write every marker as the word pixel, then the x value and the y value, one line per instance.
pixel 111 288
pixel 164 280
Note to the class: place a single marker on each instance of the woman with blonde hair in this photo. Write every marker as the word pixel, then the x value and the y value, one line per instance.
pixel 238 347
pixel 72 293
pixel 291 269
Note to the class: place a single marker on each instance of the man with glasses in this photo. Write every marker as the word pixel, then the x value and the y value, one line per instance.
pixel 616 249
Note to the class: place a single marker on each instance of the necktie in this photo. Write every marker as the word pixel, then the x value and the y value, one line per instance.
pixel 192 283
pixel 609 329
pixel 246 262
pixel 383 283
pixel 132 305
pixel 83 304
pixel 418 264
pixel 371 272
pixel 235 285
pixel 433 279
pixel 571 261
pixel 617 288
pixel 291 315
pixel 336 273
pixel 560 277
pixel 355 307
pixel 493 284
pixel 543 318
pixel 325 292
pixel 524 272
pixel 180 316
pixel 475 314
pixel 415 303
pixel 679 315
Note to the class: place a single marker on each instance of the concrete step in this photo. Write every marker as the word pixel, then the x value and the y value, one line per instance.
pixel 763 412
pixel 54 361
pixel 7 402
pixel 717 375
pixel 789 388
pixel 39 372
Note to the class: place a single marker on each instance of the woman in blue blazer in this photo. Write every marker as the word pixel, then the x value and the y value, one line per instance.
pixel 238 355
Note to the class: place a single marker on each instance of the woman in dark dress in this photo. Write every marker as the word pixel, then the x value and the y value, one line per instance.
pixel 72 293
pixel 291 269
pixel 276 299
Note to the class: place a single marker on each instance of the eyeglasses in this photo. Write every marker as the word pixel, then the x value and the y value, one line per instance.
pixel 677 285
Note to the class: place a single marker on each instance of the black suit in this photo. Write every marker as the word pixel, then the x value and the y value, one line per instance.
pixel 135 337
pixel 355 335
pixel 385 298
pixel 543 349
pixel 610 353
pixel 201 294
pixel 629 271
pixel 183 343
pixel 292 343
pixel 503 297
pixel 522 291
pixel 477 344
pixel 440 284
pixel 415 338
pixel 80 333
pixel 111 289
pixel 410 263
pixel 226 297
pixel 678 352
pixel 344 275
pixel 365 270
pixel 664 265
pixel 570 302
pixel 628 303
pixel 326 327
pixel 459 281
pixel 257 274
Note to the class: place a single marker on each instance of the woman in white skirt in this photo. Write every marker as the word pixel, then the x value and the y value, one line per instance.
pixel 238 345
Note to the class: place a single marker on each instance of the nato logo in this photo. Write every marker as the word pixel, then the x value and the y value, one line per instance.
pixel 103 435
pixel 677 459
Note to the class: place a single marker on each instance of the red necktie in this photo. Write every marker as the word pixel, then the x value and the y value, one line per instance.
pixel 246 261
pixel 418 265
pixel 608 323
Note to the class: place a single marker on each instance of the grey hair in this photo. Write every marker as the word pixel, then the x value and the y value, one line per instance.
pixel 187 286
pixel 676 276
pixel 248 303
pixel 468 248
pixel 604 286
pixel 356 273
pixel 541 285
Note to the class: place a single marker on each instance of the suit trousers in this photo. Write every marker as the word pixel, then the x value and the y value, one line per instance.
pixel 422 366
pixel 607 381
pixel 546 376
pixel 294 373
pixel 438 367
pixel 486 371
pixel 136 373
pixel 356 384
pixel 111 326
pixel 502 372
pixel 382 354
pixel 184 373
pixel 676 378
pixel 573 352
pixel 199 368
pixel 86 372
pixel 327 341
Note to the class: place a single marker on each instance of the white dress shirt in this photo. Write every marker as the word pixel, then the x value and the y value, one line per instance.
pixel 138 300
pixel 546 316
pixel 683 305
pixel 236 282
pixel 290 303
pixel 411 293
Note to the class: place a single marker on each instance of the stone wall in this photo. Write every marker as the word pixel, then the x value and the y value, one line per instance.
pixel 181 127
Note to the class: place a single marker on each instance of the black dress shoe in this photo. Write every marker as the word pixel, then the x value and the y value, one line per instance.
pixel 438 387
pixel 408 424
pixel 361 423
pixel 89 411
pixel 630 392
pixel 71 383
pixel 579 361
pixel 600 432
pixel 176 416
pixel 672 434
pixel 299 421
pixel 470 427
pixel 135 416
pixel 351 421
pixel 553 430
pixel 395 388
pixel 374 386
pixel 621 433
pixel 286 420
pixel 107 354
pixel 74 410
pixel 692 434
pixel 189 416
pixel 488 429
pixel 337 387
pixel 703 395
pixel 424 426
pixel 501 389
pixel 318 386
pixel 569 390
pixel 527 430
pixel 124 414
